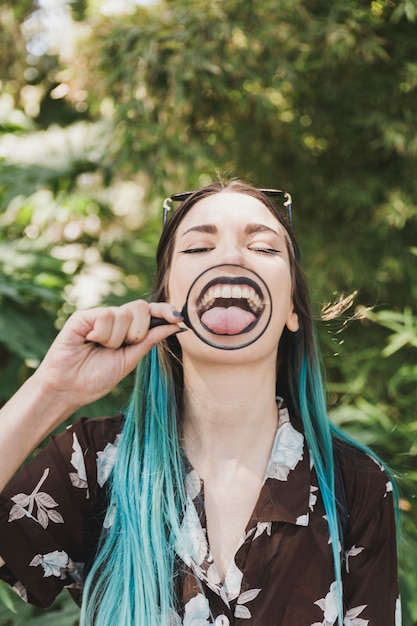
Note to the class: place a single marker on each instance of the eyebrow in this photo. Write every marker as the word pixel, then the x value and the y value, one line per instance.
pixel 210 229
pixel 250 229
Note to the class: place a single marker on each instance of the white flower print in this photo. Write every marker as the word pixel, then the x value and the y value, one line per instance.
pixel 25 504
pixel 174 618
pixel 261 528
pixel 302 520
pixel 110 515
pixel 242 612
pixel 78 478
pixel 398 615
pixel 192 484
pixel 286 453
pixel 233 581
pixel 223 595
pixel 213 577
pixel 388 488
pixel 283 414
pixel 106 460
pixel 21 590
pixel 381 467
pixel 247 596
pixel 77 575
pixel 353 551
pixel 197 611
pixel 313 498
pixel 193 544
pixel 352 619
pixel 329 607
pixel 55 563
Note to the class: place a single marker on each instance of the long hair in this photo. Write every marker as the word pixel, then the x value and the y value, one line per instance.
pixel 133 577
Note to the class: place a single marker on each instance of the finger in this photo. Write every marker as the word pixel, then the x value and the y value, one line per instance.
pixel 142 313
pixel 136 351
pixel 165 311
pixel 110 326
pixel 140 316
pixel 113 327
pixel 141 323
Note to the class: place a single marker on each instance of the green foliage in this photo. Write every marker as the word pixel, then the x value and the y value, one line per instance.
pixel 286 94
pixel 313 97
pixel 377 405
pixel 63 612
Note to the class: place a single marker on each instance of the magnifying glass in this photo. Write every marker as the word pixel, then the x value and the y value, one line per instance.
pixel 227 306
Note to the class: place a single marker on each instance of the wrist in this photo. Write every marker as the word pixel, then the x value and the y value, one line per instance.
pixel 25 420
pixel 52 404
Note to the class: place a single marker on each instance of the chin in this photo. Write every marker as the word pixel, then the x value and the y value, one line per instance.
pixel 195 350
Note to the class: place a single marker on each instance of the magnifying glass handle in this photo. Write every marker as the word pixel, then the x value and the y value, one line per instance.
pixel 159 321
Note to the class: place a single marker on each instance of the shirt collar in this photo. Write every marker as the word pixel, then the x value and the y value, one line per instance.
pixel 285 494
pixel 287 491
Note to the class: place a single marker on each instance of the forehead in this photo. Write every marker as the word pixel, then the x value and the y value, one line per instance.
pixel 223 208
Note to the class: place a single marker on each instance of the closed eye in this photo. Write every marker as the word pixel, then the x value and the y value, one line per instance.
pixel 195 250
pixel 266 250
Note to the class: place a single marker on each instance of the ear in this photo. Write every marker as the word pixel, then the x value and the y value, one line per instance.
pixel 292 322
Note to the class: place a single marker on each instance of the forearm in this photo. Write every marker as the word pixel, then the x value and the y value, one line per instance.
pixel 93 352
pixel 27 418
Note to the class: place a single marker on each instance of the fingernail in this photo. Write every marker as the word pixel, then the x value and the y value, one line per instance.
pixel 177 314
pixel 181 330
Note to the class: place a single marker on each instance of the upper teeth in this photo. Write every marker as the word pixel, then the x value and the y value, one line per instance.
pixel 231 291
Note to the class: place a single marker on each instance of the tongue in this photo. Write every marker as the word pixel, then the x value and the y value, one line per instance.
pixel 230 321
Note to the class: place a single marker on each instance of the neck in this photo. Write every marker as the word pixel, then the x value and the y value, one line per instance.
pixel 228 410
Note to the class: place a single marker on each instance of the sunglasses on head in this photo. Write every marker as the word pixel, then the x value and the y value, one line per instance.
pixel 270 193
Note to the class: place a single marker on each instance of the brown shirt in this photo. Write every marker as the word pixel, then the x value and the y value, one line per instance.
pixel 52 513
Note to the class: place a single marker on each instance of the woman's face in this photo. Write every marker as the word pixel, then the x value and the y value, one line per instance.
pixel 236 228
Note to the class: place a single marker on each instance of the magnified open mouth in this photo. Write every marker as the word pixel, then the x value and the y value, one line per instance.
pixel 230 305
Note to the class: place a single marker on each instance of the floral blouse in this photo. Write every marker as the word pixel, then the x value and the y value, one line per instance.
pixel 53 510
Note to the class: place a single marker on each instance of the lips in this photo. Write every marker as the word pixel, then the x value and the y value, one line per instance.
pixel 230 306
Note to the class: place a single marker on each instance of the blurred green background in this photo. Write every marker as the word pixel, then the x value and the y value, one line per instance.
pixel 106 107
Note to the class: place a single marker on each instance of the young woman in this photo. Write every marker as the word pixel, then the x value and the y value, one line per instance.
pixel 223 495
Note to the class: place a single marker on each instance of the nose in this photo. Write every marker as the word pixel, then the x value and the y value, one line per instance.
pixel 232 251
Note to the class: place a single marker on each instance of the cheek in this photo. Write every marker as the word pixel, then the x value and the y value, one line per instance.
pixel 174 292
pixel 173 280
pixel 282 296
pixel 182 274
